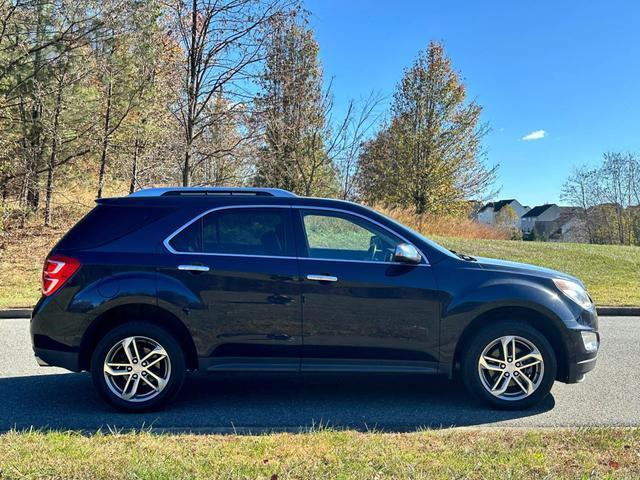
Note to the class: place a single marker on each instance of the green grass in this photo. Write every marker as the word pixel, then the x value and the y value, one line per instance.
pixel 610 272
pixel 326 454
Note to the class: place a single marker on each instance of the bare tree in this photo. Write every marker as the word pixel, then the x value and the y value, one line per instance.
pixel 221 40
pixel 360 119
pixel 580 190
pixel 608 196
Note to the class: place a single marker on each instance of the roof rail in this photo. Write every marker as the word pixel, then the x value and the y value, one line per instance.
pixel 195 191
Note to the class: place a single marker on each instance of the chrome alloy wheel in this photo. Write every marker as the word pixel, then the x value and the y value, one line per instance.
pixel 137 369
pixel 511 368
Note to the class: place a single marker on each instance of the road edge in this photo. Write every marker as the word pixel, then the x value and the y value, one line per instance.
pixel 607 311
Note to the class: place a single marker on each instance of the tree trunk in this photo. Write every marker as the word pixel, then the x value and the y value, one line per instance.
pixel 105 140
pixel 134 166
pixel 53 157
pixel 35 132
pixel 48 210
pixel 192 95
pixel 186 170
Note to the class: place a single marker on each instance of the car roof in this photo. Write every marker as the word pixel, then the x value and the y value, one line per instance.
pixel 219 199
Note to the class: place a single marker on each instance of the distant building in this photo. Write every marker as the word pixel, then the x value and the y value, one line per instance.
pixel 544 222
pixel 490 211
pixel 572 229
pixel 551 222
pixel 539 216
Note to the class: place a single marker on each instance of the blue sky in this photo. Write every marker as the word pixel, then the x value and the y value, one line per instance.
pixel 569 68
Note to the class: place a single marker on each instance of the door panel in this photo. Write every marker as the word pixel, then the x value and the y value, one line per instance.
pixel 377 314
pixel 245 309
pixel 372 311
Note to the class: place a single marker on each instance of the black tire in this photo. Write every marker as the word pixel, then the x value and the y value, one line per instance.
pixel 174 352
pixel 482 339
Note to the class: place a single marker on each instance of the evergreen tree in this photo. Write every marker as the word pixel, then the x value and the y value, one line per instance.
pixel 292 112
pixel 429 155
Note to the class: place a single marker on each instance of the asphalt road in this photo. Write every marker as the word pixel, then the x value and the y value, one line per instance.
pixel 31 396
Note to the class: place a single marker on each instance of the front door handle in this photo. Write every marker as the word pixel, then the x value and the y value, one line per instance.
pixel 193 268
pixel 322 278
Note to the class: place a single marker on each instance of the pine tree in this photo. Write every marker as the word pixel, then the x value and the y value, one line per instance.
pixel 292 112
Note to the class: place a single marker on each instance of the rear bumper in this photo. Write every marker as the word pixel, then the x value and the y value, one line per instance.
pixel 57 358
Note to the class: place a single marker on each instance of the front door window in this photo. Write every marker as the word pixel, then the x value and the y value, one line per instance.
pixel 339 236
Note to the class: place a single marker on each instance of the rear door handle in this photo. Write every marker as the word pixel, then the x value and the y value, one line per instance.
pixel 193 268
pixel 322 278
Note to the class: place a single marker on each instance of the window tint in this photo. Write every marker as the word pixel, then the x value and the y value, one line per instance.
pixel 106 223
pixel 334 235
pixel 257 231
pixel 189 239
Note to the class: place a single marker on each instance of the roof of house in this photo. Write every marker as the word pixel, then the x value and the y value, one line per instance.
pixel 497 206
pixel 537 211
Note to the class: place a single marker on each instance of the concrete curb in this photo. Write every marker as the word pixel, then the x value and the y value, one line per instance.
pixel 619 311
pixel 603 311
pixel 15 313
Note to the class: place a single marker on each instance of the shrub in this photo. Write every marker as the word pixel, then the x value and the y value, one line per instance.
pixel 449 225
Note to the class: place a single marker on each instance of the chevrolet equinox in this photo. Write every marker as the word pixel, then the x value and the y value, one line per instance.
pixel 164 281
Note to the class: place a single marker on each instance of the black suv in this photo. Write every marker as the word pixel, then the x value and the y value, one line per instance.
pixel 149 286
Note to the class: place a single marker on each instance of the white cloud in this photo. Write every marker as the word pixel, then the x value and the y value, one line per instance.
pixel 537 135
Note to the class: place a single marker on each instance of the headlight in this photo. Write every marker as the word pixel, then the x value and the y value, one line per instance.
pixel 574 291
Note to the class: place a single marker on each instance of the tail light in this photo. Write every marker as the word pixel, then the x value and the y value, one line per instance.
pixel 57 270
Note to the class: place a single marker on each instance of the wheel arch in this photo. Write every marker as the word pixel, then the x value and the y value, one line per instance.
pixel 541 322
pixel 123 314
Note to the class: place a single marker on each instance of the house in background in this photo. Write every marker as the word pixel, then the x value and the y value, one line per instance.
pixel 572 228
pixel 490 212
pixel 542 213
pixel 551 222
pixel 543 222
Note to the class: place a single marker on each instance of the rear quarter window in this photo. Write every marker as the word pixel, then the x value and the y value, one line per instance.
pixel 107 223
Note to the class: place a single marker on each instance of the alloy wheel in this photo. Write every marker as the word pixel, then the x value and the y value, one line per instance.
pixel 511 368
pixel 137 369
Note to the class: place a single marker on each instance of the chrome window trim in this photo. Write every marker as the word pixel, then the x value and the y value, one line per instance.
pixel 423 262
pixel 211 210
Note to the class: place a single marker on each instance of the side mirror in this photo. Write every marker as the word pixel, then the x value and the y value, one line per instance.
pixel 406 253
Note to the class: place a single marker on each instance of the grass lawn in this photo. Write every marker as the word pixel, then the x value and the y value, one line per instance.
pixel 610 272
pixel 326 454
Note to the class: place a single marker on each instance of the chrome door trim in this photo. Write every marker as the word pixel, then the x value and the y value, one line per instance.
pixel 193 268
pixel 322 278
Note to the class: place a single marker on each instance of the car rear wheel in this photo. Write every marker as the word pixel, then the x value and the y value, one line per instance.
pixel 137 367
pixel 509 365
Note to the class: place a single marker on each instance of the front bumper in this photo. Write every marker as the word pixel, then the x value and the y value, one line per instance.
pixel 580 360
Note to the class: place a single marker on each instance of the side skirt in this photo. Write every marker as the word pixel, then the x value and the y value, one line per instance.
pixel 270 364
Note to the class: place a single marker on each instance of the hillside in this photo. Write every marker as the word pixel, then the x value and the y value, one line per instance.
pixel 611 272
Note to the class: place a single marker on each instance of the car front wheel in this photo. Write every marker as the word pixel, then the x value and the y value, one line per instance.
pixel 509 365
pixel 137 367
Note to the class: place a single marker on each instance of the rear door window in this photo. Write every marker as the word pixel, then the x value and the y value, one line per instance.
pixel 241 231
